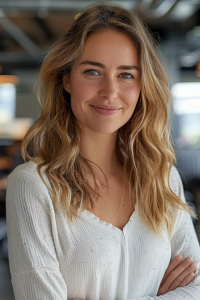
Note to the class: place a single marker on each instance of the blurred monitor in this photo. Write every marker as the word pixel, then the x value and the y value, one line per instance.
pixel 7 102
pixel 186 125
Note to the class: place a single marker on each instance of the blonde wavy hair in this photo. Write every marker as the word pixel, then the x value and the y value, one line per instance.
pixel 143 144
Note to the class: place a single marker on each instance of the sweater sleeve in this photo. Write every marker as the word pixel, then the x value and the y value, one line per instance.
pixel 183 241
pixel 35 272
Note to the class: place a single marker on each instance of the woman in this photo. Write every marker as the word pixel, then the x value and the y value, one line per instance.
pixel 98 211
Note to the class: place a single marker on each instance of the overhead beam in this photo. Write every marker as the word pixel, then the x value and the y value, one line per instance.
pixel 145 4
pixel 60 4
pixel 162 10
pixel 19 36
pixel 43 26
pixel 22 60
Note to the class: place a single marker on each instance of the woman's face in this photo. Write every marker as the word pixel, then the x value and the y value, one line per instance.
pixel 105 83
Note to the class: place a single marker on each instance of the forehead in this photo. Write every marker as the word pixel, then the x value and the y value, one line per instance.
pixel 110 45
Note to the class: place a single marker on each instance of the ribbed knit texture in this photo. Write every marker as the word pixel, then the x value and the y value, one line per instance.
pixel 52 259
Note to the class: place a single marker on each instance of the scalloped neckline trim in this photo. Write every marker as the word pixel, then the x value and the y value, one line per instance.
pixel 104 223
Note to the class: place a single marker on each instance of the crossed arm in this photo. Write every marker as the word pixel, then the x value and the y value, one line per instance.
pixel 179 282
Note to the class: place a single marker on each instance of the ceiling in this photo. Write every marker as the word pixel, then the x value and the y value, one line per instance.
pixel 28 27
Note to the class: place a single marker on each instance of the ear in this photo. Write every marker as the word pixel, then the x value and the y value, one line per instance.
pixel 66 82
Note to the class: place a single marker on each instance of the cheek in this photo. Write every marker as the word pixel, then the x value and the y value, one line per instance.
pixel 83 90
pixel 81 93
pixel 131 95
pixel 77 95
pixel 76 104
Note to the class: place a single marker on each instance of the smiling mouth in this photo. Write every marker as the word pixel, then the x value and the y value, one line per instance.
pixel 106 110
pixel 107 107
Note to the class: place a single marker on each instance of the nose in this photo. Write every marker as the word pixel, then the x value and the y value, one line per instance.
pixel 108 89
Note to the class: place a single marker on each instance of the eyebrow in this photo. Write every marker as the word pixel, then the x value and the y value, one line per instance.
pixel 97 64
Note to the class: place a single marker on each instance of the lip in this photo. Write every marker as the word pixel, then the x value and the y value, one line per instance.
pixel 106 106
pixel 106 110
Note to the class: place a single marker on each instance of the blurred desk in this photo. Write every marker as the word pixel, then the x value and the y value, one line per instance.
pixel 15 130
pixel 11 136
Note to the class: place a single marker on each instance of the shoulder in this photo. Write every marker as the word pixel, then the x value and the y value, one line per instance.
pixel 174 177
pixel 175 183
pixel 179 214
pixel 26 172
pixel 25 183
pixel 28 168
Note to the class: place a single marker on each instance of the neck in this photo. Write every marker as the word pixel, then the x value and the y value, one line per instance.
pixel 100 149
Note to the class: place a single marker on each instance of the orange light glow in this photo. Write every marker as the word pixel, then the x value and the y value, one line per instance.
pixel 198 68
pixel 9 79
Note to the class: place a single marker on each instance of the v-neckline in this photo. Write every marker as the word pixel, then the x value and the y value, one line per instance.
pixel 104 223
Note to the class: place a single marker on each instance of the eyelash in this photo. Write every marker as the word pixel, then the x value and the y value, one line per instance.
pixel 90 70
pixel 132 77
pixel 93 70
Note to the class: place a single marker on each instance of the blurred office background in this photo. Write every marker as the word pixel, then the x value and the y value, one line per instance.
pixel 29 27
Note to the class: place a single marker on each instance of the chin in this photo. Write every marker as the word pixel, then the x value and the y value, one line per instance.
pixel 104 129
pixel 100 127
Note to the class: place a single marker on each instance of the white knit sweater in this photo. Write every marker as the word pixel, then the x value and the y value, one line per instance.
pixel 51 259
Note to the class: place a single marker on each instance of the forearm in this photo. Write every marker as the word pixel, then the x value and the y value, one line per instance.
pixel 186 293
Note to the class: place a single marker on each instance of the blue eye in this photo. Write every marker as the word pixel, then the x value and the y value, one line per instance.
pixel 126 76
pixel 92 72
